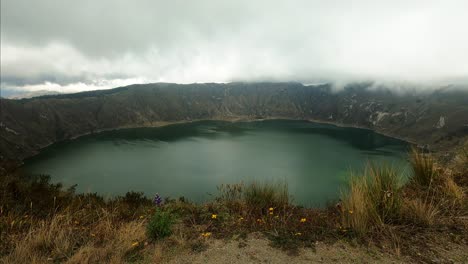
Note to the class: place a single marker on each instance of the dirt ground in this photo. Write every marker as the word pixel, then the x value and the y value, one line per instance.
pixel 256 249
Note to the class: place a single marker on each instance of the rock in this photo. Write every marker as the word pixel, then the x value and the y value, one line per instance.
pixel 440 123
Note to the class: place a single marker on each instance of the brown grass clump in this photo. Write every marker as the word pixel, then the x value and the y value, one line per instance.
pixel 421 212
pixel 373 199
pixel 356 208
pixel 120 244
pixel 61 239
pixel 432 180
pixel 452 190
pixel 52 239
pixel 424 168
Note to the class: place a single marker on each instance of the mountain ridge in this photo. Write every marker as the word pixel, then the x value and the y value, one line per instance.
pixel 437 120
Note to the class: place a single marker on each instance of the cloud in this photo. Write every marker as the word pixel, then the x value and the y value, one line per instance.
pixel 94 44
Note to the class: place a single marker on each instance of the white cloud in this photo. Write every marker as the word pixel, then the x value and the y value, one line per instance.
pixel 83 46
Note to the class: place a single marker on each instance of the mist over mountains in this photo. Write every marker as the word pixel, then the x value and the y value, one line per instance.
pixel 106 44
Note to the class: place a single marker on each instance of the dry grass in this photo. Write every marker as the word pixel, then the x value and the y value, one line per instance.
pixel 433 181
pixel 423 213
pixel 117 247
pixel 452 190
pixel 260 197
pixel 62 239
pixel 424 168
pixel 355 202
pixel 88 229
pixel 51 239
pixel 373 199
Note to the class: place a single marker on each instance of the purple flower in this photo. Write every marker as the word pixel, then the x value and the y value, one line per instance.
pixel 157 200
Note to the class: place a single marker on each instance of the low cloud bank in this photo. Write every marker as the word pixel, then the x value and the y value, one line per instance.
pixel 73 46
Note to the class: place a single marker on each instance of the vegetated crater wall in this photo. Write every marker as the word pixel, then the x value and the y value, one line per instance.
pixel 438 119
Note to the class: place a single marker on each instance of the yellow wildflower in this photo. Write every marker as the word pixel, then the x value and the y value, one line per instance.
pixel 206 234
pixel 271 209
pixel 134 244
pixel 214 216
pixel 303 220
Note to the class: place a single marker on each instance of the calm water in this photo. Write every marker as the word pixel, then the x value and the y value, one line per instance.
pixel 191 159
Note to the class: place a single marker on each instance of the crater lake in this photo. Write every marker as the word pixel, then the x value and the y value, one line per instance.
pixel 192 159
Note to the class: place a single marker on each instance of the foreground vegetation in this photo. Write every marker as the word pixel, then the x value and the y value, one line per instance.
pixel 41 222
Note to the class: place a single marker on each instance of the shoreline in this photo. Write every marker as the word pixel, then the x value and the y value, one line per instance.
pixel 159 124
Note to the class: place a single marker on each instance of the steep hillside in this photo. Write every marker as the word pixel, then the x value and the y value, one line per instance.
pixel 438 119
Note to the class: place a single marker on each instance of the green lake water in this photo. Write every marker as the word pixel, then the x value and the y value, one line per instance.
pixel 192 159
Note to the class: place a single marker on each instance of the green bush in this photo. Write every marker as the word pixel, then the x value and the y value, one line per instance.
pixel 160 225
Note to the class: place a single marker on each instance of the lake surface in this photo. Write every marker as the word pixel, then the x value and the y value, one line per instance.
pixel 192 159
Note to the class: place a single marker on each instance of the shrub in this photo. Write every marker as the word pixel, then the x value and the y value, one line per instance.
pixel 134 199
pixel 160 225
pixel 424 169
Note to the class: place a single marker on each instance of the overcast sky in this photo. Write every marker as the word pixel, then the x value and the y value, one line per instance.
pixel 82 45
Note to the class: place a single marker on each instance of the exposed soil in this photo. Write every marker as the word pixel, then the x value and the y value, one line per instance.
pixel 256 249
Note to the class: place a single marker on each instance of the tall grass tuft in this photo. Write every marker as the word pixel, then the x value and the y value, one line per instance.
pixel 452 190
pixel 385 184
pixel 373 199
pixel 421 212
pixel 262 196
pixel 356 213
pixel 424 168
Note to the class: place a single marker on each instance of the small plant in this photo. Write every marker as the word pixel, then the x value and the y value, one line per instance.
pixel 198 246
pixel 160 225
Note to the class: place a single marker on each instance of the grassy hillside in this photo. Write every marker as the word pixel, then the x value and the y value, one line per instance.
pixel 424 220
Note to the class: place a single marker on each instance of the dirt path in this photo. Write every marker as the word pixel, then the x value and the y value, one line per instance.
pixel 256 249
